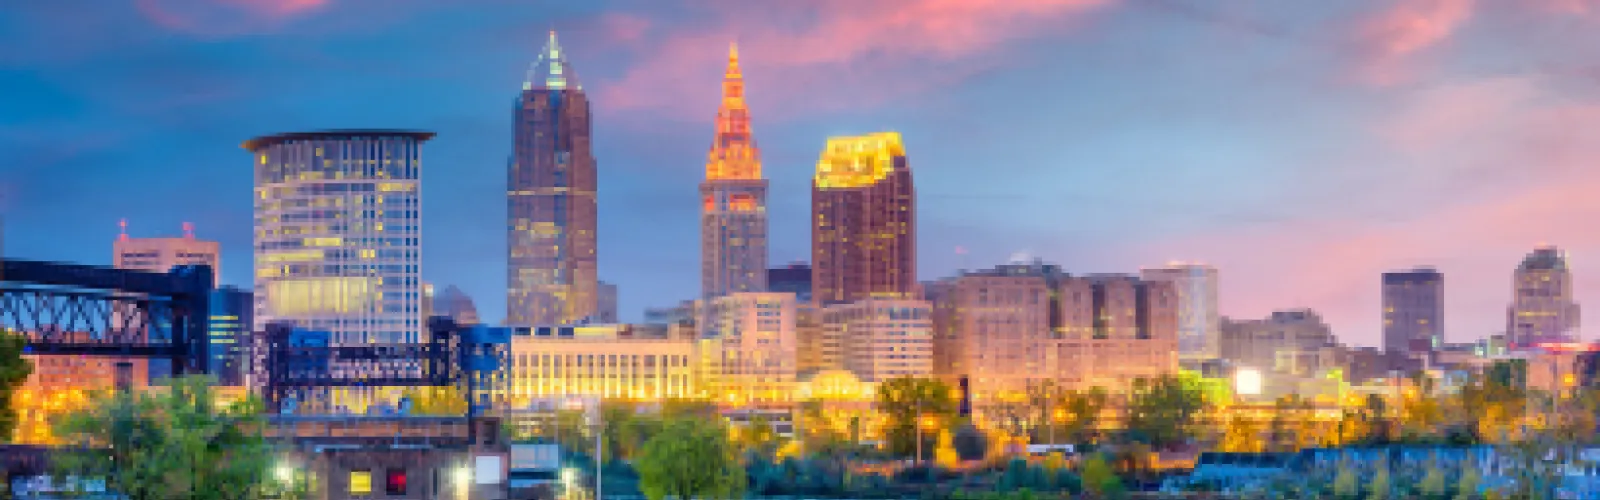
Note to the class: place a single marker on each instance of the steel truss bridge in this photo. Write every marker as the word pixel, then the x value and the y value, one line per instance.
pixel 72 309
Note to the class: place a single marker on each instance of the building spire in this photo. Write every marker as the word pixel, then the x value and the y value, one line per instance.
pixel 733 152
pixel 551 71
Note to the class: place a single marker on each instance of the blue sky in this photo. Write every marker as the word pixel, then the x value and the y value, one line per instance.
pixel 1301 147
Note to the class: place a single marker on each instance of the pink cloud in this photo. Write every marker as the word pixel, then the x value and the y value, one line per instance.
pixel 216 18
pixel 1390 39
pixel 1493 168
pixel 828 53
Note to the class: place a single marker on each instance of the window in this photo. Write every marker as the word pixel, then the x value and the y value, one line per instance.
pixel 395 484
pixel 360 482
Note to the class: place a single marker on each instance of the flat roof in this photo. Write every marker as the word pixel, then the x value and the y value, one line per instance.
pixel 275 139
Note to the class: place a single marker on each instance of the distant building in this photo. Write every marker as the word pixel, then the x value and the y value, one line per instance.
pixel 794 278
pixel 1413 311
pixel 162 254
pixel 601 361
pixel 229 353
pixel 552 245
pixel 1542 305
pixel 733 214
pixel 751 340
pixel 457 305
pixel 607 303
pixel 879 339
pixel 863 221
pixel 338 236
pixel 1199 323
pixel 1018 326
pixel 1294 342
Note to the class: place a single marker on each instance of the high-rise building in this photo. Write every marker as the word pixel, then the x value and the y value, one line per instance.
pixel 1199 324
pixel 794 278
pixel 733 213
pixel 879 339
pixel 607 303
pixel 552 277
pixel 338 239
pixel 1542 306
pixel 162 254
pixel 1413 311
pixel 863 222
pixel 753 338
pixel 1018 326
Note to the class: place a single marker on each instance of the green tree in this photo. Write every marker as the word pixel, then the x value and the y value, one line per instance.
pixel 1082 414
pixel 1380 486
pixel 1163 409
pixel 904 402
pixel 171 443
pixel 14 370
pixel 1467 486
pixel 690 459
pixel 1099 479
pixel 1347 483
pixel 1434 484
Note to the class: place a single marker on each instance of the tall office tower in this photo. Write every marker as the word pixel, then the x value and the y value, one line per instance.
pixel 550 197
pixel 753 338
pixel 733 213
pixel 162 254
pixel 338 243
pixel 863 223
pixel 606 303
pixel 1542 307
pixel 1413 311
pixel 794 278
pixel 1199 324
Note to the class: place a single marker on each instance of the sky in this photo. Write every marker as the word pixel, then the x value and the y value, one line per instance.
pixel 1302 148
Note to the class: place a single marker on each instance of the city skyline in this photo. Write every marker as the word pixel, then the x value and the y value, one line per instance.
pixel 1416 106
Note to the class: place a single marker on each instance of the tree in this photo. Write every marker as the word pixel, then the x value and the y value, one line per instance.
pixel 1347 483
pixel 1081 415
pixel 14 371
pixel 1099 479
pixel 1380 482
pixel 904 402
pixel 1434 484
pixel 1163 409
pixel 173 443
pixel 1242 436
pixel 690 459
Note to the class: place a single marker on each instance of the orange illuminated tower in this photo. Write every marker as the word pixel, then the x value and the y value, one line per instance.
pixel 863 221
pixel 733 217
pixel 550 196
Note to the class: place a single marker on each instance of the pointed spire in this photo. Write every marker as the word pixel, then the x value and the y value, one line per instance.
pixel 733 60
pixel 551 71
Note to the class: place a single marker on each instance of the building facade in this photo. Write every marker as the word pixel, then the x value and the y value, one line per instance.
pixel 1199 323
pixel 863 221
pixel 754 346
pixel 230 352
pixel 878 339
pixel 338 239
pixel 457 305
pixel 162 254
pixel 733 213
pixel 552 277
pixel 601 361
pixel 1542 305
pixel 607 304
pixel 1413 311
pixel 1276 342
pixel 794 278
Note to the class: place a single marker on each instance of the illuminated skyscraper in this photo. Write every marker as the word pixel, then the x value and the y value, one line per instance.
pixel 338 232
pixel 1199 324
pixel 550 198
pixel 863 227
pixel 1413 311
pixel 733 216
pixel 1542 308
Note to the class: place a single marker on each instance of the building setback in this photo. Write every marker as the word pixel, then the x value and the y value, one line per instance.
pixel 1413 311
pixel 552 278
pixel 733 212
pixel 863 225
pixel 1542 306
pixel 339 232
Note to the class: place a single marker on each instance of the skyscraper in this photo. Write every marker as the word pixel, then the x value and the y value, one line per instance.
pixel 1413 311
pixel 339 232
pixel 550 197
pixel 1542 307
pixel 733 213
pixel 863 226
pixel 1199 324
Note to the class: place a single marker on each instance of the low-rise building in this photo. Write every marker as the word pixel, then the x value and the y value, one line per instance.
pixel 879 339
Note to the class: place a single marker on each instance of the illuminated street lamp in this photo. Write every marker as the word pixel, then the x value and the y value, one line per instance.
pixel 1247 382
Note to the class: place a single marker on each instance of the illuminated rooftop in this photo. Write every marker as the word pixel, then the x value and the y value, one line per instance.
pixel 344 134
pixel 551 71
pixel 858 161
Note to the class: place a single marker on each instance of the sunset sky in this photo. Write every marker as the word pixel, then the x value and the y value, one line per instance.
pixel 1302 147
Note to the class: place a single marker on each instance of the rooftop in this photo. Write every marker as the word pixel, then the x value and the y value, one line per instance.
pixel 275 139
